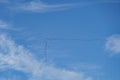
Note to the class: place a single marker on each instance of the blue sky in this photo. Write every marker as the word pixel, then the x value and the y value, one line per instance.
pixel 59 40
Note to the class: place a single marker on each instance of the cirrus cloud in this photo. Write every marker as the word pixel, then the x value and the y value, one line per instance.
pixel 39 6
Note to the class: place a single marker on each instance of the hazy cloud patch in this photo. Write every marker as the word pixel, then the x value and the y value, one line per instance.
pixel 113 44
pixel 16 57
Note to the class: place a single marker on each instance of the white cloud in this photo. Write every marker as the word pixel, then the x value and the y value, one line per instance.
pixel 38 6
pixel 16 57
pixel 113 44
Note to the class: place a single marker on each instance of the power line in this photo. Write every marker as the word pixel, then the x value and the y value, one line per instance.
pixel 67 39
pixel 74 39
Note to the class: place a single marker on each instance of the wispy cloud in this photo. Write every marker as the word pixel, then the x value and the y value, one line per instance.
pixel 16 57
pixel 3 25
pixel 113 44
pixel 7 26
pixel 38 6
